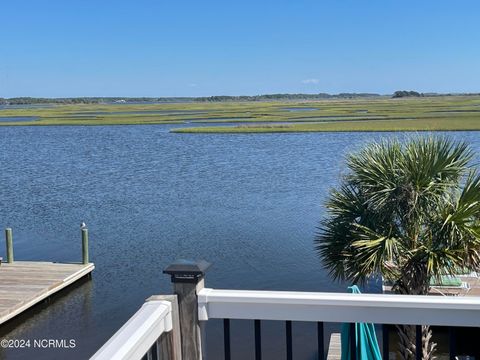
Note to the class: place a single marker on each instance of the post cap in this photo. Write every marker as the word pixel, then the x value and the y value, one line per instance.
pixel 189 271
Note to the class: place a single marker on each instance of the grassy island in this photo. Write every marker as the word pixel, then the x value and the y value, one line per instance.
pixel 356 114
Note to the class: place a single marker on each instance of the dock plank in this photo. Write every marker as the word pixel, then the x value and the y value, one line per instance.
pixel 25 283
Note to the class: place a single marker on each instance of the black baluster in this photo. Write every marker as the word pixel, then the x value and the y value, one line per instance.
pixel 154 351
pixel 258 341
pixel 385 341
pixel 418 342
pixel 353 342
pixel 452 342
pixel 288 333
pixel 226 338
pixel 320 337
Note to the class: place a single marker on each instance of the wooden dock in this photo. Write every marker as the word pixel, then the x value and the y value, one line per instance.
pixel 25 283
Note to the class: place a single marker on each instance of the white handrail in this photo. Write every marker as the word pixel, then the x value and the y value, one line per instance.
pixel 139 333
pixel 339 307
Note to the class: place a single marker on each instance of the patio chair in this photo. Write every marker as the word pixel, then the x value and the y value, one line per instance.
pixel 449 285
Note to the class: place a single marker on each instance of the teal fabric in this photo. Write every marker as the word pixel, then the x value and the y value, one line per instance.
pixel 365 339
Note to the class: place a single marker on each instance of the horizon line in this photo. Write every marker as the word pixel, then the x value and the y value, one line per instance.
pixel 234 96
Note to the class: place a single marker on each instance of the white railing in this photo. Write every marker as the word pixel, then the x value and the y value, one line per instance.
pixel 139 334
pixel 338 307
pixel 144 329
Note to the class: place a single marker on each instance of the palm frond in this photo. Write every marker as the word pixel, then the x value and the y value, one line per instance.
pixel 414 204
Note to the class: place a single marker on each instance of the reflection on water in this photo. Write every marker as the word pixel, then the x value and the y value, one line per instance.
pixel 248 203
pixel 65 316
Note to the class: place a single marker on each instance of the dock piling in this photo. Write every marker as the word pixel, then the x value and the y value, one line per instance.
pixel 85 246
pixel 27 283
pixel 9 242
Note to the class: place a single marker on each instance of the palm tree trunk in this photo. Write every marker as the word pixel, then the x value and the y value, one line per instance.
pixel 407 347
pixel 414 281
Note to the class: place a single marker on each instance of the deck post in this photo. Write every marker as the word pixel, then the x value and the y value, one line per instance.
pixel 9 242
pixel 188 278
pixel 170 345
pixel 85 246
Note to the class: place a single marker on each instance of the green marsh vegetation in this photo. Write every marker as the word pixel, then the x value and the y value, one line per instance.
pixel 358 114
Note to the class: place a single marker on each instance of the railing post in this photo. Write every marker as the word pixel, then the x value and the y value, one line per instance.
pixel 9 242
pixel 188 278
pixel 169 344
pixel 85 245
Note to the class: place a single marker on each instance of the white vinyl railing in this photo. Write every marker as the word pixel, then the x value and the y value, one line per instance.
pixel 143 330
pixel 338 307
pixel 139 334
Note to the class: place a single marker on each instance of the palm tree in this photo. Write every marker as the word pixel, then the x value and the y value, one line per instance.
pixel 409 211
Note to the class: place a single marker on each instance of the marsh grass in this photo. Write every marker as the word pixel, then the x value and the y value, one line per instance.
pixel 378 114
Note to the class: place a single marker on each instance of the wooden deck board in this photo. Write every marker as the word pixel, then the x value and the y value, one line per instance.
pixel 335 347
pixel 25 283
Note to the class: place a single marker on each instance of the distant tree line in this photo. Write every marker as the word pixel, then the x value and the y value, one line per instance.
pixel 87 100
pixel 102 100
pixel 268 97
pixel 404 93
pixel 224 98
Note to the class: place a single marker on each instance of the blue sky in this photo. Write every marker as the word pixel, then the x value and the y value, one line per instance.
pixel 200 48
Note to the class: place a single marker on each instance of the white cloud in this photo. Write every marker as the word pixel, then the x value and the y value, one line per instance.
pixel 192 85
pixel 310 81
